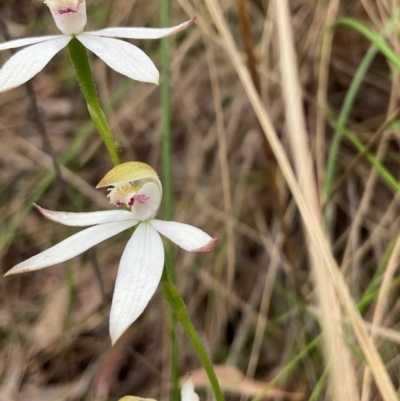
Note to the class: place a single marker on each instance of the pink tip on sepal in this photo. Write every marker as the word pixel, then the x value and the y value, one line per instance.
pixel 208 247
pixel 183 26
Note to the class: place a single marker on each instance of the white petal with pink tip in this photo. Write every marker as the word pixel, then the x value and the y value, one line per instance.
pixel 71 247
pixel 140 33
pixel 188 237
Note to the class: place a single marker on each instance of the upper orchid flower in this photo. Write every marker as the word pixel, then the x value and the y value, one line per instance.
pixel 137 186
pixel 70 18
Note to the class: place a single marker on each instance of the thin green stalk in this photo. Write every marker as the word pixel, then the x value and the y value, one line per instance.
pixel 286 370
pixel 342 119
pixel 83 71
pixel 166 130
pixel 175 393
pixel 316 394
pixel 371 292
pixel 177 304
pixel 382 170
pixel 167 187
pixel 376 39
pixel 378 43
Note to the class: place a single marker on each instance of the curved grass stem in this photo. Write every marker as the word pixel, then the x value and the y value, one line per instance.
pixel 377 44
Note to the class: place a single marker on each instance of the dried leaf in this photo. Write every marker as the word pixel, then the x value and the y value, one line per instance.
pixel 233 381
pixel 50 324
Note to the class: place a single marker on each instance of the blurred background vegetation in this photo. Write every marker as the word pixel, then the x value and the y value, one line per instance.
pixel 253 300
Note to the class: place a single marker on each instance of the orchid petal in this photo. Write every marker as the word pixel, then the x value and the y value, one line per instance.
pixel 122 57
pixel 71 247
pixel 147 202
pixel 189 238
pixel 139 273
pixel 86 219
pixel 187 391
pixel 28 62
pixel 13 44
pixel 141 33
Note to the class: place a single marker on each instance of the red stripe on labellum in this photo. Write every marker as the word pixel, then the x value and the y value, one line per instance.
pixel 67 11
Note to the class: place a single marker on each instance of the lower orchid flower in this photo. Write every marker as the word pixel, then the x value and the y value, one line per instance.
pixel 187 394
pixel 187 391
pixel 137 186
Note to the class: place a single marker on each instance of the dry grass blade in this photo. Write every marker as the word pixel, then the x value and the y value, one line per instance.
pixel 270 162
pixel 223 160
pixel 323 75
pixel 16 362
pixel 338 358
pixel 381 305
pixel 316 235
pixel 270 279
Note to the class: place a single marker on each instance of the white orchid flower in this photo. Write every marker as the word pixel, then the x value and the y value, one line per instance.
pixel 137 186
pixel 187 394
pixel 187 391
pixel 70 18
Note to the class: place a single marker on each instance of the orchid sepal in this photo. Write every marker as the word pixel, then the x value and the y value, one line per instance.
pixel 141 33
pixel 25 64
pixel 188 237
pixel 72 246
pixel 16 43
pixel 139 274
pixel 85 219
pixel 122 57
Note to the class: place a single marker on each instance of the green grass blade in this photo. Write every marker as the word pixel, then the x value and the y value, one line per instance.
pixel 378 44
pixel 167 188
pixel 382 170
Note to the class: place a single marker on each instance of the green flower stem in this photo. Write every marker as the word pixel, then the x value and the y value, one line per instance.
pixel 83 71
pixel 177 304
